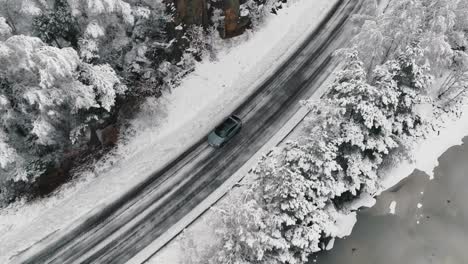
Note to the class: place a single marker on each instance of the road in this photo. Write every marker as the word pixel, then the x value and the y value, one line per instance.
pixel 117 233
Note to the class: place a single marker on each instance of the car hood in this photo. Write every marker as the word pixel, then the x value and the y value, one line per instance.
pixel 214 139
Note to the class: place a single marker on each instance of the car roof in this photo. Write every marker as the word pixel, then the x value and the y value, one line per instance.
pixel 223 128
pixel 236 118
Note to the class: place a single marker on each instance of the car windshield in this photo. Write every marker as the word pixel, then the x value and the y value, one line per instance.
pixel 223 129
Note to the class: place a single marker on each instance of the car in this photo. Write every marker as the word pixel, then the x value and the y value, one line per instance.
pixel 225 131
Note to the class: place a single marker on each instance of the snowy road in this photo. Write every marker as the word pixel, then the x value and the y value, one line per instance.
pixel 117 233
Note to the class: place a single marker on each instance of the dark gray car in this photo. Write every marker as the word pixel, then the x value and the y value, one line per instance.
pixel 225 131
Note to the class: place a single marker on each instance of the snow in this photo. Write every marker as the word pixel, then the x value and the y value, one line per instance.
pixel 392 207
pixel 197 235
pixel 364 200
pixel 344 224
pixel 427 152
pixel 166 127
pixel 94 30
pixel 330 244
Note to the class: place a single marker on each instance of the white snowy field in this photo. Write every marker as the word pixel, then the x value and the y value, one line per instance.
pixel 167 127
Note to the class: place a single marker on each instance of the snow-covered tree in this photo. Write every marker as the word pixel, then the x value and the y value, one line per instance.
pixel 401 25
pixel 375 114
pixel 47 94
pixel 436 24
pixel 362 119
pixel 453 89
pixel 414 78
pixel 103 31
pixel 370 44
pixel 455 84
pixel 19 14
pixel 282 220
pixel 57 25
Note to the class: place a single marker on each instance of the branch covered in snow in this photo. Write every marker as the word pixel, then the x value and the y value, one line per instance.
pixel 46 93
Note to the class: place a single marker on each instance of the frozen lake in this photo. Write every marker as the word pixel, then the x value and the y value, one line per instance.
pixel 430 224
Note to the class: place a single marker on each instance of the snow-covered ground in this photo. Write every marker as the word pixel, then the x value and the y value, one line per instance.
pixel 166 127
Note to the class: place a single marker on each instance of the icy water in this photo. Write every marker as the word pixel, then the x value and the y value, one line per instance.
pixel 430 224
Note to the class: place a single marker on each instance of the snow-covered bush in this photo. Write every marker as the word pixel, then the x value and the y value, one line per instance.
pixel 48 96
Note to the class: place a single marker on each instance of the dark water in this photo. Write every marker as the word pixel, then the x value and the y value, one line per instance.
pixel 430 224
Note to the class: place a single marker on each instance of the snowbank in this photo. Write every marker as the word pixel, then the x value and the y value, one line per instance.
pixel 167 127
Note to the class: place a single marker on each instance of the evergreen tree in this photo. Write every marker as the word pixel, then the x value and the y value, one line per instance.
pixel 48 98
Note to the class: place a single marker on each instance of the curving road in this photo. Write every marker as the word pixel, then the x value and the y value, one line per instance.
pixel 119 232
